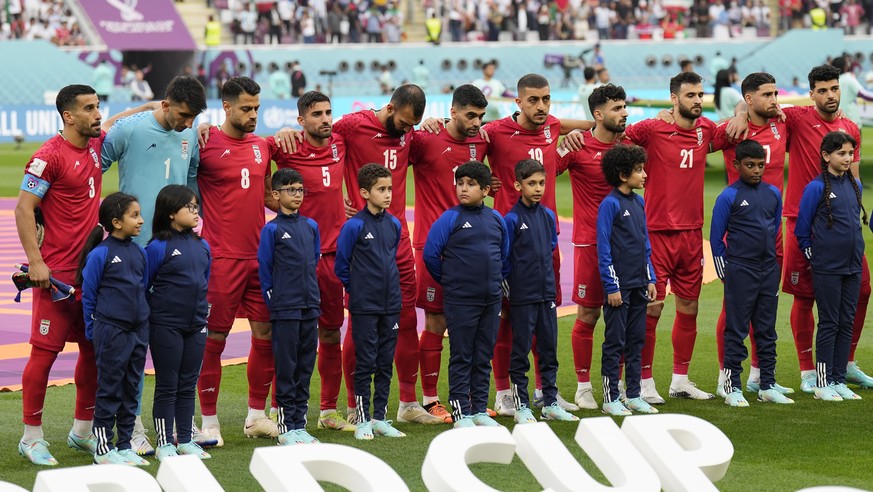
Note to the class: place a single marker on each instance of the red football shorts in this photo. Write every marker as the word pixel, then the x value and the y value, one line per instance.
pixel 331 290
pixel 678 258
pixel 588 289
pixel 53 324
pixel 234 292
pixel 430 292
pixel 406 268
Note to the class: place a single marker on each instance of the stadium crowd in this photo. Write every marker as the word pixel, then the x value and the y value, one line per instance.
pixel 49 20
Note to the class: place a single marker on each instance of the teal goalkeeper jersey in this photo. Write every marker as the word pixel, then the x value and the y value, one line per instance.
pixel 149 158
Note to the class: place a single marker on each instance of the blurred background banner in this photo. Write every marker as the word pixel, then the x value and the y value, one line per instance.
pixel 138 25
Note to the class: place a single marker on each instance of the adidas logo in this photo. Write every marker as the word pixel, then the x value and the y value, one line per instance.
pixel 523 227
pixel 744 204
pixel 626 213
pixel 395 326
pixel 116 260
pixel 832 195
pixel 553 305
pixel 369 236
pixel 286 236
pixel 176 252
pixel 466 226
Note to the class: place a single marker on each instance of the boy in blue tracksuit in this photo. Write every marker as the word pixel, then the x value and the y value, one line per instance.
pixel 287 256
pixel 624 260
pixel 750 213
pixel 467 252
pixel 530 287
pixel 366 265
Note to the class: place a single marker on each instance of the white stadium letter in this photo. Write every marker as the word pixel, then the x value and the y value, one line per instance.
pixel 103 478
pixel 445 465
pixel 186 474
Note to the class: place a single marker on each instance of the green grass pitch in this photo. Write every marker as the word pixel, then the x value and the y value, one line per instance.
pixel 775 448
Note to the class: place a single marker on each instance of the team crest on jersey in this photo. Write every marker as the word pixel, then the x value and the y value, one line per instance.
pixel 472 152
pixel 431 294
pixel 795 277
pixel 44 327
pixel 699 136
pixel 547 131
pixel 580 291
pixel 257 151
pixel 94 156
pixel 334 152
pixel 403 140
pixel 184 149
pixel 775 131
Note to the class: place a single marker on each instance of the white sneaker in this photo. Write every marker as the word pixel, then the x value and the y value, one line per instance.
pixel 585 399
pixel 567 406
pixel 622 391
pixel 649 393
pixel 208 434
pixel 414 413
pixel 684 388
pixel 261 426
pixel 504 406
pixel 139 442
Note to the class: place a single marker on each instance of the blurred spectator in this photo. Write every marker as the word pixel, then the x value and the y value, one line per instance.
pixel 421 75
pixel 717 64
pixel 491 88
pixel 434 28
pixel 386 81
pixel 212 34
pixel 726 96
pixel 102 80
pixel 686 66
pixel 280 83
pixel 602 76
pixel 307 28
pixel 335 19
pixel 140 88
pixel 221 76
pixel 374 25
pixel 851 14
pixel 298 80
pixel 850 90
pixel 586 89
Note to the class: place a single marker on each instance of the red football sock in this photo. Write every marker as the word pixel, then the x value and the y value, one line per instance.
pixel 502 351
pixel 330 368
pixel 582 340
pixel 860 317
pixel 649 347
pixel 406 354
pixel 753 347
pixel 86 382
pixel 210 376
pixel 536 360
pixel 34 381
pixel 260 371
pixel 430 348
pixel 348 366
pixel 803 326
pixel 273 403
pixel 684 336
pixel 719 335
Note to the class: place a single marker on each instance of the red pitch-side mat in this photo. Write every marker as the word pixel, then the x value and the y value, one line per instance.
pixel 15 317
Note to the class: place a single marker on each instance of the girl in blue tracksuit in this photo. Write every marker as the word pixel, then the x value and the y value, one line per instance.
pixel 178 273
pixel 113 274
pixel 829 234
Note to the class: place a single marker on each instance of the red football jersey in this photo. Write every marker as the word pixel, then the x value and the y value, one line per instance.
pixel 322 172
pixel 675 168
pixel 511 143
pixel 774 138
pixel 68 180
pixel 367 141
pixel 588 184
pixel 807 131
pixel 231 181
pixel 434 159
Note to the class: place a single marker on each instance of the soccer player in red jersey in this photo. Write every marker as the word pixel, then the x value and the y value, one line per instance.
pixel 233 177
pixel 434 159
pixel 608 106
pixel 320 159
pixel 674 210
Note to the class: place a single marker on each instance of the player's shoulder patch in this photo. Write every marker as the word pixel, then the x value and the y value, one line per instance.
pixel 36 166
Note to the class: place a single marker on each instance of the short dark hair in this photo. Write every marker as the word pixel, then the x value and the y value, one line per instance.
pixel 588 73
pixel 532 81
pixel 620 161
pixel 235 86
pixel 67 96
pixel 468 95
pixel 603 94
pixel 822 73
pixel 489 62
pixel 476 171
pixel 409 95
pixel 528 167
pixel 684 78
pixel 170 200
pixel 749 148
pixel 188 90
pixel 309 99
pixel 685 63
pixel 754 81
pixel 370 174
pixel 285 176
pixel 839 62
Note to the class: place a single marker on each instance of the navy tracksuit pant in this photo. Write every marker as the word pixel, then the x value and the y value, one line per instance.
pixel 529 320
pixel 624 336
pixel 750 295
pixel 177 354
pixel 836 297
pixel 472 335
pixel 120 362
pixel 295 344
pixel 375 337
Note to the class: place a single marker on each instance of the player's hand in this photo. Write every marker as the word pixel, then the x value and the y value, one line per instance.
pixel 738 126
pixel 39 274
pixel 496 184
pixel 614 299
pixel 484 134
pixel 434 125
pixel 651 292
pixel 287 139
pixel 203 134
pixel 350 210
pixel 782 117
pixel 573 141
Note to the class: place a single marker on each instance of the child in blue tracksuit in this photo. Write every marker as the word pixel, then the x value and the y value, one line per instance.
pixel 178 274
pixel 750 213
pixel 287 256
pixel 114 275
pixel 366 265
pixel 530 286
pixel 624 260
pixel 467 252
pixel 829 234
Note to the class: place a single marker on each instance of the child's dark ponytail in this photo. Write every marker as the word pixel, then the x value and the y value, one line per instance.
pixel 113 207
pixel 832 142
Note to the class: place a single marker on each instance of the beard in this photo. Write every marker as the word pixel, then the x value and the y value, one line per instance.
pixel 688 113
pixel 614 127
pixel 392 129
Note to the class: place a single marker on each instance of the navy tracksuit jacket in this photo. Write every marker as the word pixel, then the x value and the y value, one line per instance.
pixel 624 260
pixel 366 264
pixel 533 235
pixel 745 259
pixel 467 252
pixel 116 318
pixel 287 257
pixel 835 254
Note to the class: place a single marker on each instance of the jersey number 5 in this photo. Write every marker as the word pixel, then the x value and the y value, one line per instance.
pixel 325 176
